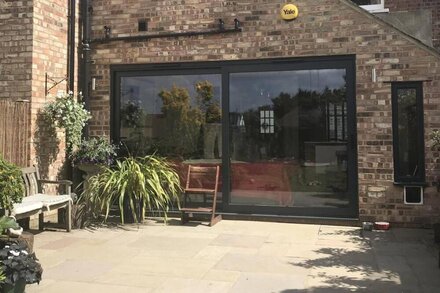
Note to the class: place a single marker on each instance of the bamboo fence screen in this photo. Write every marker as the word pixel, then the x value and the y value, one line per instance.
pixel 15 132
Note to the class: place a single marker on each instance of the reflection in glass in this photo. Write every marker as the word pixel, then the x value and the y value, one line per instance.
pixel 177 116
pixel 288 133
pixel 408 132
pixel 171 115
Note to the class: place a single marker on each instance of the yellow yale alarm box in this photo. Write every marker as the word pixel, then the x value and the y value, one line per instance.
pixel 289 12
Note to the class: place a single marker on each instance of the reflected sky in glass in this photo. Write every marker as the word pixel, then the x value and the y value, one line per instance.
pixel 145 90
pixel 252 90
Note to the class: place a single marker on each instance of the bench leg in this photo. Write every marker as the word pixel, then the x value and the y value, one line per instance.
pixel 41 221
pixel 69 217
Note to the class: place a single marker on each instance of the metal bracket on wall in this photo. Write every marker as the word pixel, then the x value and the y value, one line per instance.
pixel 53 82
pixel 219 30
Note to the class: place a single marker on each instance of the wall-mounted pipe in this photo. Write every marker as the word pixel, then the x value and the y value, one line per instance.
pixel 166 35
pixel 86 12
pixel 71 44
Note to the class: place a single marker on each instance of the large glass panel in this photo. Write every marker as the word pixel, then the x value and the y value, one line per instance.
pixel 408 133
pixel 288 138
pixel 177 116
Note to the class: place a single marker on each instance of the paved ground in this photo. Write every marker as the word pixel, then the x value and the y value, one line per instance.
pixel 237 256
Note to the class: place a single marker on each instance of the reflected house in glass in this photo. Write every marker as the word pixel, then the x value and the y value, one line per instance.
pixel 327 115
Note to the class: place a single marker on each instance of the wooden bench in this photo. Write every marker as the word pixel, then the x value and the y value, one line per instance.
pixel 36 202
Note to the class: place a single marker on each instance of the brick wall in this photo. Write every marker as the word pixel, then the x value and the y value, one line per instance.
pixel 324 27
pixel 49 56
pixel 412 5
pixel 33 42
pixel 15 49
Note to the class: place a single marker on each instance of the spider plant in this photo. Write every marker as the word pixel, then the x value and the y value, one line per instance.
pixel 140 184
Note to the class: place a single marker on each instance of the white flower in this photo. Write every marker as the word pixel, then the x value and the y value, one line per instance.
pixel 14 253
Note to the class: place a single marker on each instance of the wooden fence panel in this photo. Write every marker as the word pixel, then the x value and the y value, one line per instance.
pixel 15 132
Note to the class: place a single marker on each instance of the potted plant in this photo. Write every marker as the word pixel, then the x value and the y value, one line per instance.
pixel 135 184
pixel 11 185
pixel 69 113
pixel 19 267
pixel 92 154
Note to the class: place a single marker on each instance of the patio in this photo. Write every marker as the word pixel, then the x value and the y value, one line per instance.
pixel 237 256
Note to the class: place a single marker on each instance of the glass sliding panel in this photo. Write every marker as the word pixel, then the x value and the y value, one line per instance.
pixel 177 116
pixel 288 138
pixel 408 132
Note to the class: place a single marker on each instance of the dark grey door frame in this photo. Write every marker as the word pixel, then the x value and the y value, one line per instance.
pixel 224 68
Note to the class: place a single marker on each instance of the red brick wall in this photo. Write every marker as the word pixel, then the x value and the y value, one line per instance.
pixel 15 49
pixel 50 27
pixel 324 27
pixel 411 5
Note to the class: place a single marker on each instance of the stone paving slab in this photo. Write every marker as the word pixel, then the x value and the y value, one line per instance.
pixel 237 256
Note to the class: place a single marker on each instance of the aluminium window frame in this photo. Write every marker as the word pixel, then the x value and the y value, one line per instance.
pixel 226 68
pixel 375 8
pixel 399 179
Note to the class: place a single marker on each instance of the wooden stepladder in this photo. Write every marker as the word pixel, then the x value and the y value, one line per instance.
pixel 201 181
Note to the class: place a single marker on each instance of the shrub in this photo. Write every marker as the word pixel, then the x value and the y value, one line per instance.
pixel 11 185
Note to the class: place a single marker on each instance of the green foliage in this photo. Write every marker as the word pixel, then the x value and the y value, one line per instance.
pixel 17 264
pixel 95 151
pixel 6 223
pixel 140 183
pixel 211 108
pixel 2 274
pixel 132 114
pixel 68 113
pixel 182 122
pixel 11 185
pixel 436 138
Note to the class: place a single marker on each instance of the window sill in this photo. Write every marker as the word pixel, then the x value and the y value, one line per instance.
pixel 424 184
pixel 374 11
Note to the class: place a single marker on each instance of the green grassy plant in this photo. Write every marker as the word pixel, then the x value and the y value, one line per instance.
pixel 141 184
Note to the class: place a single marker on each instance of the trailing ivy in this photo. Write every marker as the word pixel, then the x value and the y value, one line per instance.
pixel 11 185
pixel 68 113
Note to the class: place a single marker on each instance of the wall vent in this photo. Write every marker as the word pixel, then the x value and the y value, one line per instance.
pixel 142 25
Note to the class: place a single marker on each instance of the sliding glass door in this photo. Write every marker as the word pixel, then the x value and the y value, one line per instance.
pixel 288 138
pixel 282 130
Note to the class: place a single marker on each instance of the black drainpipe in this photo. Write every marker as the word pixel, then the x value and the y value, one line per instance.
pixel 86 11
pixel 71 45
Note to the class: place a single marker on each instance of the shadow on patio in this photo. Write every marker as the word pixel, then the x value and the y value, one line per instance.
pixel 400 260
